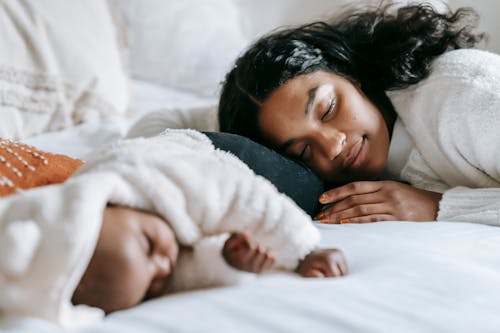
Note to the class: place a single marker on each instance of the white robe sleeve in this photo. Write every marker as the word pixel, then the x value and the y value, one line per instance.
pixel 454 120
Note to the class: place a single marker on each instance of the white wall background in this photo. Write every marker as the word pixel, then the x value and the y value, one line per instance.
pixel 489 11
pixel 191 44
pixel 264 15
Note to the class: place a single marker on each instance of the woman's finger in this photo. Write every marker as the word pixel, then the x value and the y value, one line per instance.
pixel 330 216
pixel 366 219
pixel 348 190
pixel 351 202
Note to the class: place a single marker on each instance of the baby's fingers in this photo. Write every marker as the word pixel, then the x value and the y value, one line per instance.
pixel 237 242
pixel 251 260
pixel 322 270
pixel 313 273
pixel 343 267
pixel 330 269
pixel 268 263
pixel 263 262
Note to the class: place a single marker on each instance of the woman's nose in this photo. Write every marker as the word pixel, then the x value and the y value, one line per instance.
pixel 332 143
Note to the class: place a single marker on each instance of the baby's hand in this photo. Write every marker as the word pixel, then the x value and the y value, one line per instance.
pixel 239 253
pixel 323 263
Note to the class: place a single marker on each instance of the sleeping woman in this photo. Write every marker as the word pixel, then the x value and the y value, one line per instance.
pixel 385 93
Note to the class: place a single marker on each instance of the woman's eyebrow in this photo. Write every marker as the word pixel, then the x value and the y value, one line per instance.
pixel 310 101
pixel 284 146
pixel 311 96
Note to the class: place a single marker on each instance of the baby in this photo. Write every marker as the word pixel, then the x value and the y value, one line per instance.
pixel 137 252
pixel 139 219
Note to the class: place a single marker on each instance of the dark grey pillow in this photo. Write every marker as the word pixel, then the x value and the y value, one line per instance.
pixel 290 177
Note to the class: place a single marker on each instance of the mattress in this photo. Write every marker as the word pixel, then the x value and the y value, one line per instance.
pixel 404 276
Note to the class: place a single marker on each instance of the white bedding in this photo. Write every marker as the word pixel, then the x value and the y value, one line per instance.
pixel 405 277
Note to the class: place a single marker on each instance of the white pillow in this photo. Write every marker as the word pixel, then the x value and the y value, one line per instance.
pixel 186 44
pixel 202 119
pixel 60 65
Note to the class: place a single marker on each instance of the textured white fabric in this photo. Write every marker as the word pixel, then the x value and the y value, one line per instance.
pixel 204 267
pixel 399 151
pixel 153 123
pixel 453 117
pixel 180 176
pixel 60 65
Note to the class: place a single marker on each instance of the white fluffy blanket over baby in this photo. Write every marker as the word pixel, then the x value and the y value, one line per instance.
pixel 48 234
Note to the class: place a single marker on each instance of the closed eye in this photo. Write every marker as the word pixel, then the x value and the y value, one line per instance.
pixel 329 111
pixel 150 245
pixel 304 154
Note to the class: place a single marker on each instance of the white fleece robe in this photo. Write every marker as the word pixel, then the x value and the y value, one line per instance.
pixel 453 119
pixel 48 234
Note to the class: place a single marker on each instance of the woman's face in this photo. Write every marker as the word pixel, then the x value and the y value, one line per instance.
pixel 327 122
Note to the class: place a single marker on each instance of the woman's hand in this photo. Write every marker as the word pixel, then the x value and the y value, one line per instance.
pixel 240 254
pixel 362 202
pixel 323 263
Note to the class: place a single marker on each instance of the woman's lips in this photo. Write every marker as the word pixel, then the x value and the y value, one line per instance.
pixel 357 155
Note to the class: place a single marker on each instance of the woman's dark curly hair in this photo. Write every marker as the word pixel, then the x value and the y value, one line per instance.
pixel 380 49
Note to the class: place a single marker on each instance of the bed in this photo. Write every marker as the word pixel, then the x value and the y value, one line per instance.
pixel 404 277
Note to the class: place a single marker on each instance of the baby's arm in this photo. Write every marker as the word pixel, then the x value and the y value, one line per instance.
pixel 204 266
pixel 229 259
pixel 239 252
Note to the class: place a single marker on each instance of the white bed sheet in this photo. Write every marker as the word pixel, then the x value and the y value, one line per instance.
pixel 405 277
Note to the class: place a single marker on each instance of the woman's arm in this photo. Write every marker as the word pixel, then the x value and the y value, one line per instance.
pixel 453 118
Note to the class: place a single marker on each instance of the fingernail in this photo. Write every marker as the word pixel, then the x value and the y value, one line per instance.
pixel 164 264
pixel 323 198
pixel 344 221
pixel 320 216
pixel 324 220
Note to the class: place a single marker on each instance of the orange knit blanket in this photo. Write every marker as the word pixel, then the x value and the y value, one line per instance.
pixel 23 167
